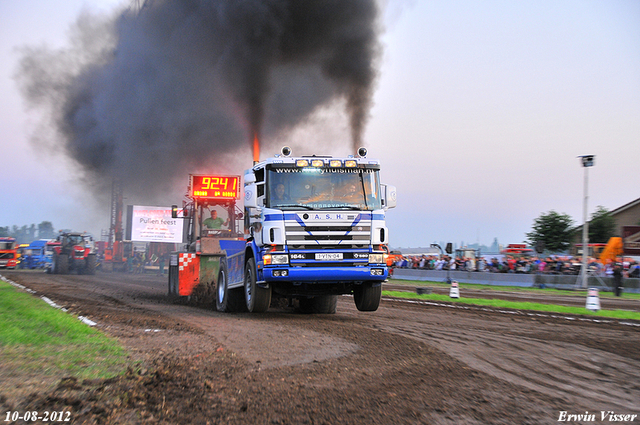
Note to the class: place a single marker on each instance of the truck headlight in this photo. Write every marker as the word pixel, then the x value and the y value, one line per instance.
pixel 275 259
pixel 376 258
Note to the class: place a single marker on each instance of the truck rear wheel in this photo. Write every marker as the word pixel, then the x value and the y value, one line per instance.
pixel 324 304
pixel 227 300
pixel 367 297
pixel 257 298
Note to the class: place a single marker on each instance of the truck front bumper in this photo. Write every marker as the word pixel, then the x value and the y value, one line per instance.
pixel 325 274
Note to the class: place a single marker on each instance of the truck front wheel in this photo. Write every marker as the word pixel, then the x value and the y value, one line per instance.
pixel 256 297
pixel 227 300
pixel 367 297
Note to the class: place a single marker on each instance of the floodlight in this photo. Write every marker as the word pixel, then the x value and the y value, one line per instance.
pixel 587 160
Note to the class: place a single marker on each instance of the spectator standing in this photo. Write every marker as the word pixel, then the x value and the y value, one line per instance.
pixel 161 262
pixel 634 269
pixel 617 277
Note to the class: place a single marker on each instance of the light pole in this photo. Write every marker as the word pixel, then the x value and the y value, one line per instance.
pixel 587 161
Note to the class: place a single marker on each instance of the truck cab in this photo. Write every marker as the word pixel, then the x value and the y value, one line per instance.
pixel 8 253
pixel 35 255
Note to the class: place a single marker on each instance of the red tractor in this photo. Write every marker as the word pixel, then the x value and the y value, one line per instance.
pixel 75 252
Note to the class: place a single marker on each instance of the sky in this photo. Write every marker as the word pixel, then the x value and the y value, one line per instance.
pixel 479 114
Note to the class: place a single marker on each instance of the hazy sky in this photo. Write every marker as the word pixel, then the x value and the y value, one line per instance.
pixel 480 111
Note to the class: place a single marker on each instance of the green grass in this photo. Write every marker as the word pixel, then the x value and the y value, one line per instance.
pixel 544 292
pixel 35 337
pixel 550 308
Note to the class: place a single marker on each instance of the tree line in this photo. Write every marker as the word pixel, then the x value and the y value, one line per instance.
pixel 555 231
pixel 28 234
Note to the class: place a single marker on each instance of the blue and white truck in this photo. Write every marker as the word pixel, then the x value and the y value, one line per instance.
pixel 314 229
pixel 37 255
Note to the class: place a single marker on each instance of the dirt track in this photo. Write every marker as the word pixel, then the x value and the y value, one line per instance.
pixel 405 363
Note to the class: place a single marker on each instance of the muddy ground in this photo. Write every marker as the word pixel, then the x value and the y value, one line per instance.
pixel 407 363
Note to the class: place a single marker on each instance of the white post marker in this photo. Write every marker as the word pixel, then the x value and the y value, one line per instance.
pixel 593 300
pixel 454 292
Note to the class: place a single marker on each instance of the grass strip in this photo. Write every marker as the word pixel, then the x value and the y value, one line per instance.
pixel 35 337
pixel 549 308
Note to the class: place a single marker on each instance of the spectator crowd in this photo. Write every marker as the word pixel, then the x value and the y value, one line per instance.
pixel 511 264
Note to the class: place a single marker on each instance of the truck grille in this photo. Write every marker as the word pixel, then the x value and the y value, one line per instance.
pixel 338 233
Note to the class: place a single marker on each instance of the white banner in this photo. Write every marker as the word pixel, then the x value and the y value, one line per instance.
pixel 154 224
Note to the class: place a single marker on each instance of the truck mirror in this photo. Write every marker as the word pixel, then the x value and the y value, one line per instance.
pixel 251 196
pixel 249 177
pixel 389 196
pixel 449 248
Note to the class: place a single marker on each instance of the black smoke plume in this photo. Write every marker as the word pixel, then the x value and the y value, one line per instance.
pixel 177 85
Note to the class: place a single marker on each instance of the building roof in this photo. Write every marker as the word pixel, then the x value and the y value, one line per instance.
pixel 625 207
pixel 613 213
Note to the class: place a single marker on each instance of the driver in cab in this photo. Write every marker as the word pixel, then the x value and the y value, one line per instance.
pixel 214 222
pixel 279 193
pixel 351 193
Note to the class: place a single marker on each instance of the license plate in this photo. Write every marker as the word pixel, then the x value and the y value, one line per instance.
pixel 329 256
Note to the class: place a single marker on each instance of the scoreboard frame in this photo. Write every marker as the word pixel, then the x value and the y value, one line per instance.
pixel 214 186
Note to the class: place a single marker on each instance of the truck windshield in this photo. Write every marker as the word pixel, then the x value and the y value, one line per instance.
pixel 323 188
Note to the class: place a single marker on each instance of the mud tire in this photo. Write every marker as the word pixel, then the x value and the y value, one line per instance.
pixel 228 300
pixel 324 304
pixel 257 298
pixel 60 264
pixel 90 264
pixel 367 296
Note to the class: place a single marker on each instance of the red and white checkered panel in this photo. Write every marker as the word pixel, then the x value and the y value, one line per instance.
pixel 188 272
pixel 184 259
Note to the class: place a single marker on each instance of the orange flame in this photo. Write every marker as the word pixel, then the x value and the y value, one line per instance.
pixel 256 148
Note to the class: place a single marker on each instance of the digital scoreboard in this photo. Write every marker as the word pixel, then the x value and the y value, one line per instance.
pixel 206 186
